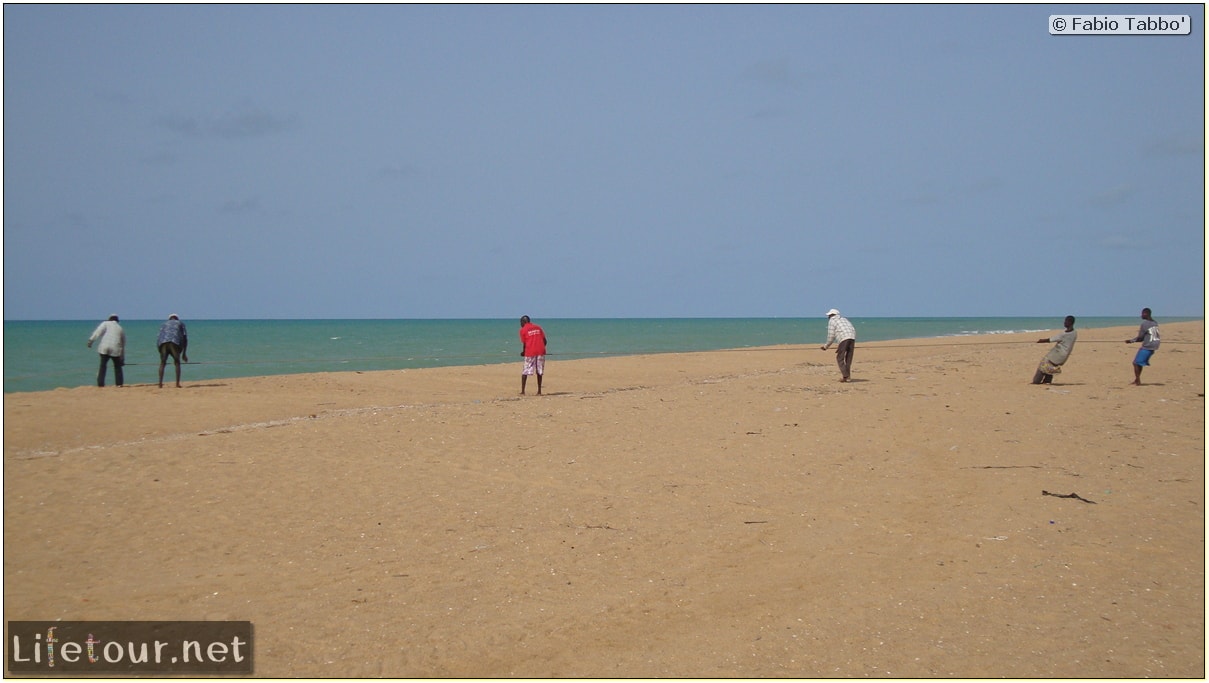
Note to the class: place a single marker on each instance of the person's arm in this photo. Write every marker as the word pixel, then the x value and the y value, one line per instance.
pixel 1140 337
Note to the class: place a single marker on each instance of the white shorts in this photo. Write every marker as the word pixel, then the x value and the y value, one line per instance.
pixel 534 365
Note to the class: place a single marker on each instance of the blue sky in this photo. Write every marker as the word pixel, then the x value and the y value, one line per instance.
pixel 452 161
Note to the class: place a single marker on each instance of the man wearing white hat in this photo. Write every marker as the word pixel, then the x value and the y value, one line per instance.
pixel 111 348
pixel 843 334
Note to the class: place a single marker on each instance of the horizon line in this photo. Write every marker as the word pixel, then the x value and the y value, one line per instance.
pixel 670 317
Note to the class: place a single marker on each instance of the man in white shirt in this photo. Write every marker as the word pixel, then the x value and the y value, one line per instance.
pixel 112 346
pixel 842 332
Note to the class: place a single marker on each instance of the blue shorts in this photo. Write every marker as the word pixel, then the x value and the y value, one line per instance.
pixel 1143 357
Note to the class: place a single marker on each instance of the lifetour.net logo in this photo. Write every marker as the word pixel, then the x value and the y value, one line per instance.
pixel 130 647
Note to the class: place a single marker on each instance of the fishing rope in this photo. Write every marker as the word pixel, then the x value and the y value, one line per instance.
pixel 583 354
pixel 577 355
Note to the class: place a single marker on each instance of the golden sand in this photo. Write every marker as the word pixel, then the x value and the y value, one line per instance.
pixel 735 513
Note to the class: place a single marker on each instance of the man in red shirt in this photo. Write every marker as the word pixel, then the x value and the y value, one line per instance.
pixel 533 342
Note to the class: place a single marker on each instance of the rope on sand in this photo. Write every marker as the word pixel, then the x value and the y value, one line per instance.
pixel 580 355
pixel 639 352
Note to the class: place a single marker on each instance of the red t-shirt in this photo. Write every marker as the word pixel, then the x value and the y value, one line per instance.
pixel 534 340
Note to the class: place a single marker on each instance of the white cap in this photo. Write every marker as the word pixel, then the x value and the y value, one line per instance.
pixel 832 312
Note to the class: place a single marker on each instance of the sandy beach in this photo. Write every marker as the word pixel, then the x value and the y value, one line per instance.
pixel 724 514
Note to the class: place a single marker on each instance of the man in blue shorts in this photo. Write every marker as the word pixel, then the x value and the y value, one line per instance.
pixel 1148 334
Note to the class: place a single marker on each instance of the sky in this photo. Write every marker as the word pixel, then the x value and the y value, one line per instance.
pixel 598 161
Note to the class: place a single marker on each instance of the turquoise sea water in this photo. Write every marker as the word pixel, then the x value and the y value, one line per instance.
pixel 42 355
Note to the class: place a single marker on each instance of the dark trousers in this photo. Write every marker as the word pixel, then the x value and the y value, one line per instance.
pixel 117 369
pixel 843 356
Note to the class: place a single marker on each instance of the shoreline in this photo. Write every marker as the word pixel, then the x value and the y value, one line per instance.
pixel 701 514
pixel 554 357
pixel 222 352
pixel 351 389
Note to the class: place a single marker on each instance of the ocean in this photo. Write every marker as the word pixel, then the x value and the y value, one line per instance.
pixel 44 355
